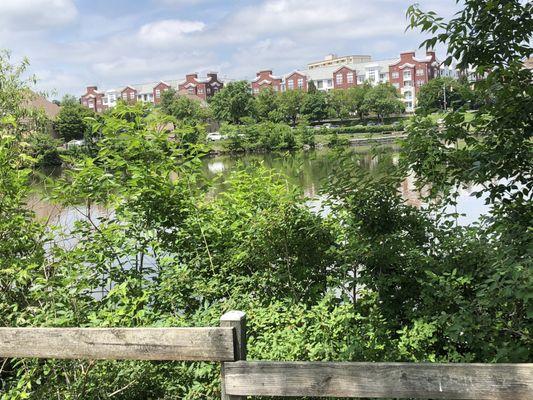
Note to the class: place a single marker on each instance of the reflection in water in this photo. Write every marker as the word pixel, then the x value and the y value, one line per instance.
pixel 309 170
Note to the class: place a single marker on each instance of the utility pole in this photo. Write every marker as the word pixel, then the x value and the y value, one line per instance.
pixel 444 90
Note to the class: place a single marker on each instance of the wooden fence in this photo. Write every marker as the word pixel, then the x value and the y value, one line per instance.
pixel 241 378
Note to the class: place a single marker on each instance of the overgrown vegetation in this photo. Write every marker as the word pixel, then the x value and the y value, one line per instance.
pixel 372 279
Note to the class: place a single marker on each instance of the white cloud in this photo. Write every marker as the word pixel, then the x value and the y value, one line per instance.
pixel 166 32
pixel 118 47
pixel 36 14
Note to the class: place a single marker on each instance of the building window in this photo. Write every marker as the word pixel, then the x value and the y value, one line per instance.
pixel 290 85
pixel 300 83
pixel 349 77
pixel 125 96
pixel 276 88
pixel 256 90
pixel 406 75
pixel 408 95
pixel 395 75
pixel 330 82
pixel 396 85
pixel 419 82
pixel 419 72
pixel 372 77
pixel 361 79
pixel 319 84
pixel 208 90
pixel 407 84
pixel 383 77
pixel 338 79
pixel 409 104
pixel 91 105
pixel 132 96
pixel 157 93
pixel 190 90
pixel 200 91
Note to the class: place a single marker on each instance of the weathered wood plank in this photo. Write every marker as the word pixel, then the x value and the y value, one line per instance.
pixel 398 380
pixel 237 321
pixel 206 344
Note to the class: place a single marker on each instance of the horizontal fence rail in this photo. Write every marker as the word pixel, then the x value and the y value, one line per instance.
pixel 380 380
pixel 195 344
pixel 240 378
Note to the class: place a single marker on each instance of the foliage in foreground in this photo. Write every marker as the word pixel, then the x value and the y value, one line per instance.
pixel 374 279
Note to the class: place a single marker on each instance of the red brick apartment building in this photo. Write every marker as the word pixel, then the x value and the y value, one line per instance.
pixel 93 99
pixel 407 73
pixel 192 86
pixel 264 79
pixel 203 88
pixel 344 78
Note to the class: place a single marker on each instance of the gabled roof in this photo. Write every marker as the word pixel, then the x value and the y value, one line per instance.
pixel 342 67
pixel 273 77
pixel 294 73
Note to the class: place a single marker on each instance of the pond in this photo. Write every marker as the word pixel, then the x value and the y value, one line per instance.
pixel 307 169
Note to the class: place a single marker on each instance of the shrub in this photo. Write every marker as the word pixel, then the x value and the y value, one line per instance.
pixel 44 149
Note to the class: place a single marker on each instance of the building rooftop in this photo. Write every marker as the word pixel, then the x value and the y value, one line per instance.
pixel 326 72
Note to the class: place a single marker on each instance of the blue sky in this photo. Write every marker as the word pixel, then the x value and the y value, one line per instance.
pixel 75 43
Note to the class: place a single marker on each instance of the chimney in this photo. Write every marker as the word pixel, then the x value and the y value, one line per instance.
pixel 191 76
pixel 407 54
pixel 265 71
pixel 431 54
pixel 213 76
pixel 92 89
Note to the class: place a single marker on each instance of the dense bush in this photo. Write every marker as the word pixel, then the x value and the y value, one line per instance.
pixel 44 149
pixel 259 137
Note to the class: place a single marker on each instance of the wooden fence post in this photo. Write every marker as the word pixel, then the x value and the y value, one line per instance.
pixel 236 320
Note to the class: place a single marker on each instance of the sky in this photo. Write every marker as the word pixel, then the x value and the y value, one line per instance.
pixel 110 43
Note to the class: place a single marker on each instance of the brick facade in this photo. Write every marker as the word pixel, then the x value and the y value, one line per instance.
pixel 265 79
pixel 129 95
pixel 412 72
pixel 344 78
pixel 203 88
pixel 296 81
pixel 158 91
pixel 409 73
pixel 93 99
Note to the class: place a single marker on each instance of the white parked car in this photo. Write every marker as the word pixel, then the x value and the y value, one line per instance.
pixel 214 136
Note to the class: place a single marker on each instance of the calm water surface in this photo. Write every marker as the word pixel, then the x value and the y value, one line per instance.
pixel 309 170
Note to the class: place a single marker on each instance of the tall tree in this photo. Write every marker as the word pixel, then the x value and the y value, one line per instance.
pixel 233 103
pixel 443 93
pixel 355 100
pixel 315 106
pixel 181 107
pixel 291 105
pixel 338 103
pixel 383 100
pixel 71 122
pixel 267 105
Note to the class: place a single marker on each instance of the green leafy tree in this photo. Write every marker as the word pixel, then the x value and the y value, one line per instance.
pixel 233 102
pixel 355 100
pixel 383 100
pixel 291 102
pixel 443 93
pixel 71 122
pixel 267 105
pixel 315 106
pixel 338 104
pixel 181 107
